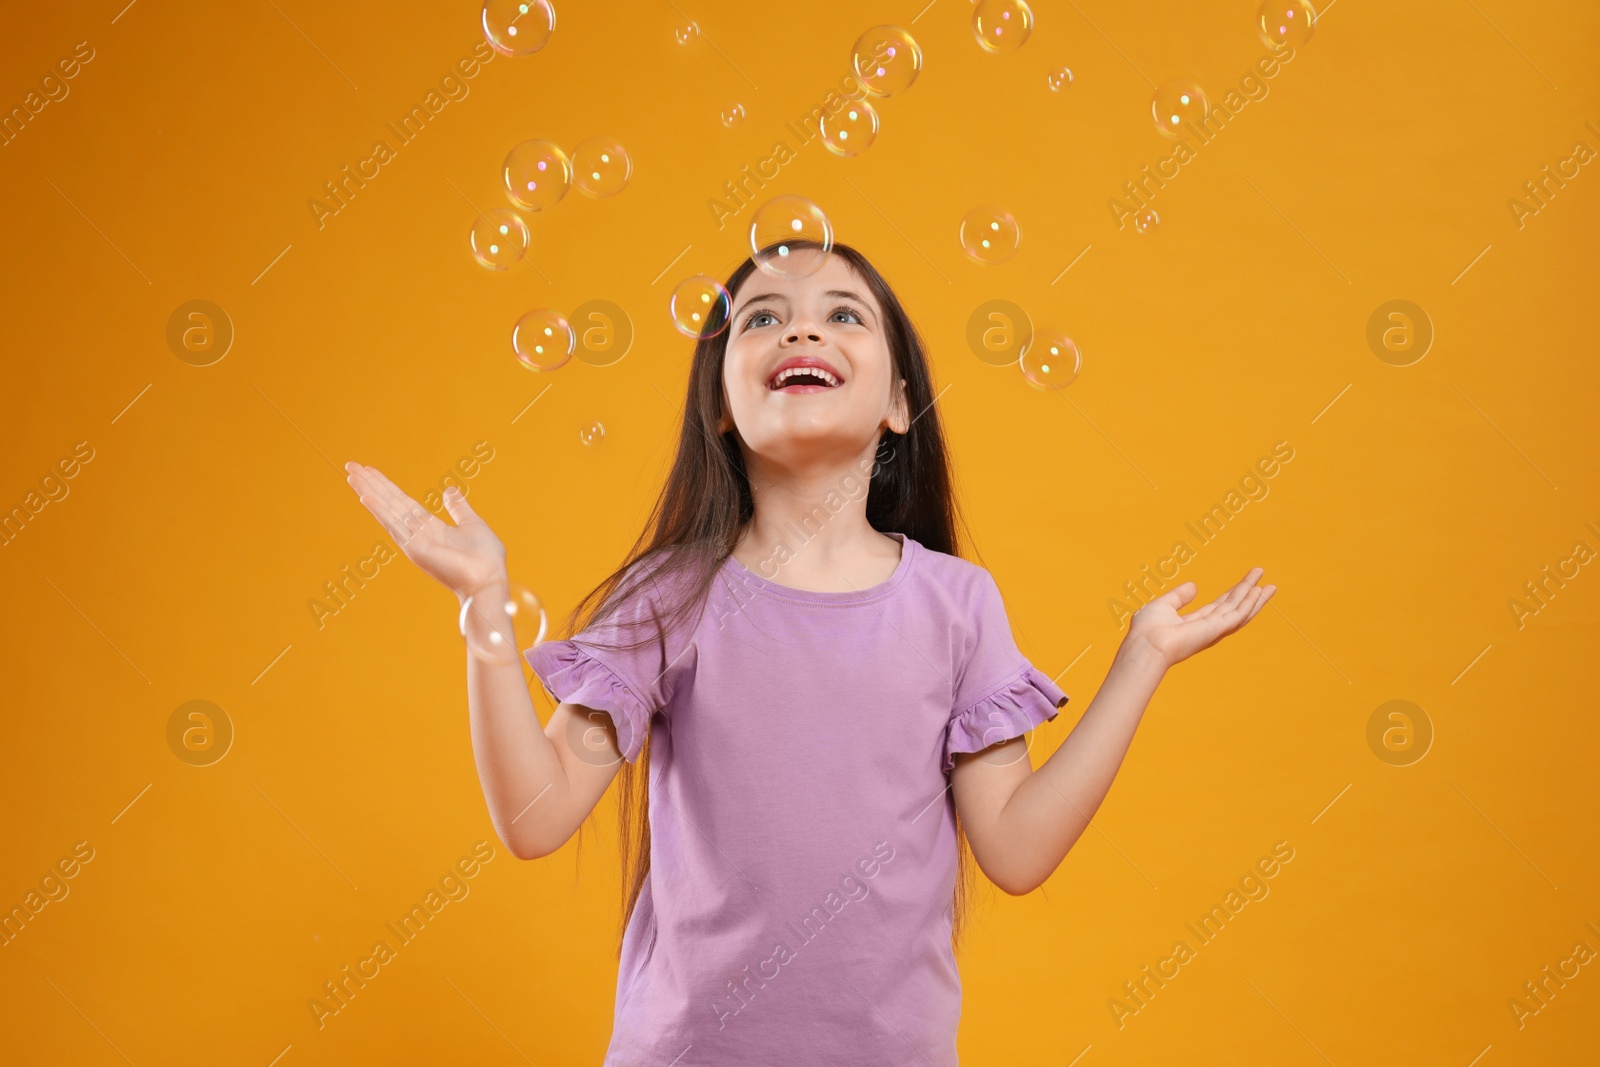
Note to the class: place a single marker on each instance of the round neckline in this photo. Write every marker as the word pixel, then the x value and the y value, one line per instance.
pixel 908 552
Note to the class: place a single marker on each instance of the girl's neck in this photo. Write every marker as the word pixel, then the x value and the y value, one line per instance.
pixel 810 528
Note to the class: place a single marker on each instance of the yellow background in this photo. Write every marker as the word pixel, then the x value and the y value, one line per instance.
pixel 1417 504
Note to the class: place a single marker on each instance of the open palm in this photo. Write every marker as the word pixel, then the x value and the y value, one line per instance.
pixel 464 557
pixel 1175 637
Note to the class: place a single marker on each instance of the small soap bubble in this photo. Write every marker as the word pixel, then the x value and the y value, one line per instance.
pixel 601 167
pixel 543 339
pixel 591 433
pixel 990 234
pixel 1002 25
pixel 502 622
pixel 537 174
pixel 1286 22
pixel 1145 220
pixel 1176 102
pixel 851 129
pixel 1051 360
pixel 786 219
pixel 1059 79
pixel 887 60
pixel 518 27
pixel 687 32
pixel 499 238
pixel 733 114
pixel 700 307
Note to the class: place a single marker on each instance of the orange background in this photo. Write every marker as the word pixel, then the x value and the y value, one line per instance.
pixel 1418 502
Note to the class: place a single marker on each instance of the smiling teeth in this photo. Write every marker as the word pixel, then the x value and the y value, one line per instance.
pixel 789 372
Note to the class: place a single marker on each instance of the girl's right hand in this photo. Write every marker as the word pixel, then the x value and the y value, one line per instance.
pixel 465 557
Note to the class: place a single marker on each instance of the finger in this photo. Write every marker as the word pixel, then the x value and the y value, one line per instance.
pixel 456 504
pixel 404 515
pixel 1240 590
pixel 1177 597
pixel 1266 595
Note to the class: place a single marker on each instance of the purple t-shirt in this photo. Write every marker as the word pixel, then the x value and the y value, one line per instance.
pixel 802 833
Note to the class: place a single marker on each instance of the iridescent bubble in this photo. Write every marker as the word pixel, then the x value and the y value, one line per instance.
pixel 887 60
pixel 537 174
pixel 501 622
pixel 700 307
pixel 601 167
pixel 1286 22
pixel 1051 360
pixel 1059 79
pixel 1002 25
pixel 1178 101
pixel 687 32
pixel 733 114
pixel 785 219
pixel 542 339
pixel 990 234
pixel 591 433
pixel 499 238
pixel 1146 220
pixel 851 129
pixel 518 27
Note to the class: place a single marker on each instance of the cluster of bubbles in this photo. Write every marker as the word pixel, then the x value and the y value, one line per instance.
pixel 1182 101
pixel 536 175
pixel 700 304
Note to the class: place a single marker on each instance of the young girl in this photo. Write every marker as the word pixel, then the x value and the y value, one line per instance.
pixel 830 698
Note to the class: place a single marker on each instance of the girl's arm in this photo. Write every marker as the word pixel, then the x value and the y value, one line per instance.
pixel 1021 822
pixel 539 785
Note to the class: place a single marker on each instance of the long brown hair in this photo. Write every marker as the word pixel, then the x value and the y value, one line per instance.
pixel 706 503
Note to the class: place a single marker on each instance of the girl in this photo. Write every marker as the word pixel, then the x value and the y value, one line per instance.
pixel 830 696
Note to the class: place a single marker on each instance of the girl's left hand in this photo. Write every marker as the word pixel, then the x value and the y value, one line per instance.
pixel 1172 638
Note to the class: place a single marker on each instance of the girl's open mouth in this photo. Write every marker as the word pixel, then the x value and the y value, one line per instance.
pixel 803 379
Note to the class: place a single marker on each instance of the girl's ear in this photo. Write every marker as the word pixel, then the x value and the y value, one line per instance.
pixel 899 418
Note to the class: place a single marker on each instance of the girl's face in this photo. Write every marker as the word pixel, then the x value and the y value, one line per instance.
pixel 807 372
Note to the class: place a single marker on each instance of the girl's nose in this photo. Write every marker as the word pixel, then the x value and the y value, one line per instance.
pixel 808 333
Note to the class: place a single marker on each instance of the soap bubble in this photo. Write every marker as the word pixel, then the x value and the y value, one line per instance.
pixel 990 234
pixel 785 219
pixel 537 174
pixel 542 339
pixel 518 27
pixel 499 238
pixel 601 167
pixel 1145 220
pixel 1059 79
pixel 501 622
pixel 886 59
pixel 1051 360
pixel 733 114
pixel 687 32
pixel 1002 25
pixel 1176 101
pixel 851 129
pixel 700 307
pixel 1286 22
pixel 591 433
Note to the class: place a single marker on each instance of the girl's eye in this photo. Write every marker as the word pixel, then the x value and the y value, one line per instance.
pixel 854 317
pixel 751 321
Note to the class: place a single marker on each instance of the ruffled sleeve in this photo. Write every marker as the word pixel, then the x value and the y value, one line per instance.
pixel 572 674
pixel 1019 704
